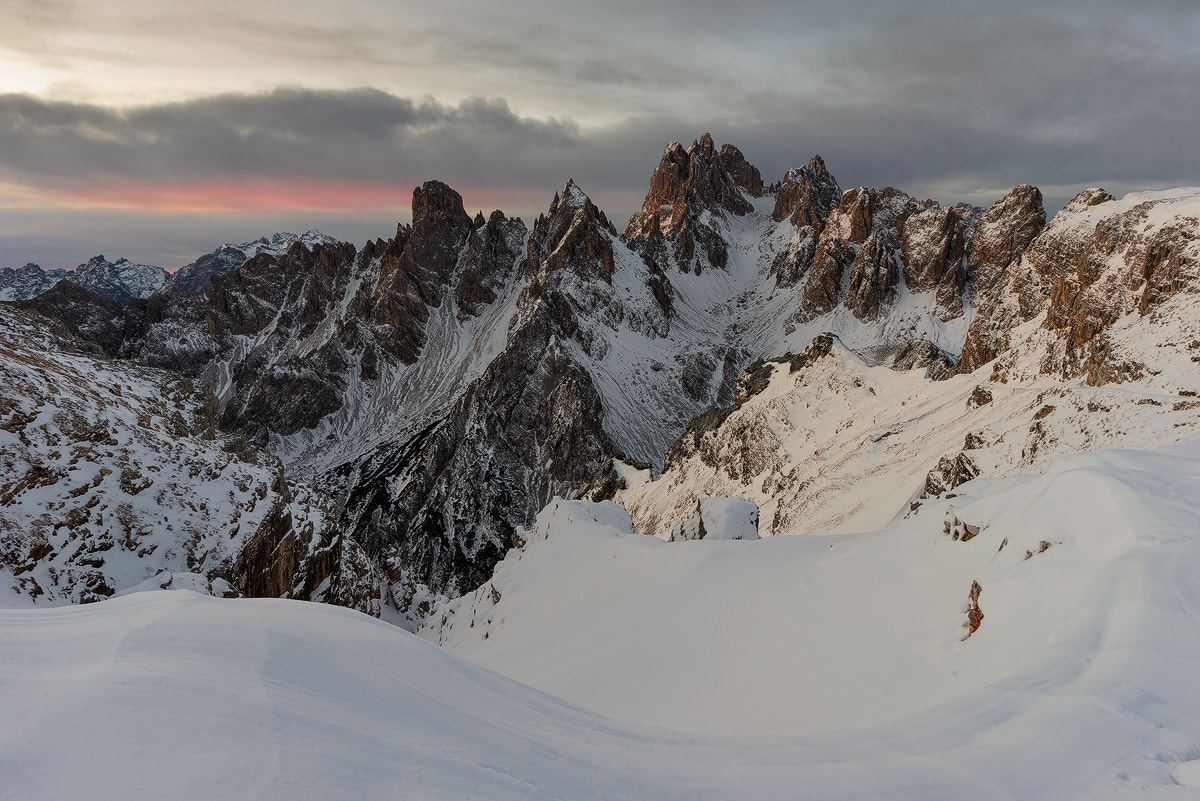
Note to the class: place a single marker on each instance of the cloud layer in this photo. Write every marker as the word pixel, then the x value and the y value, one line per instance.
pixel 228 112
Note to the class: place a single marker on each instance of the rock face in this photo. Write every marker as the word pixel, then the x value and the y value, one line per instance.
pixel 284 338
pixel 1006 295
pixel 1097 261
pixel 922 353
pixel 85 314
pixel 934 249
pixel 805 198
pixel 443 505
pixel 863 235
pixel 116 473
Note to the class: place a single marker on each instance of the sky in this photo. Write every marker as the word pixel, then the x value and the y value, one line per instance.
pixel 158 130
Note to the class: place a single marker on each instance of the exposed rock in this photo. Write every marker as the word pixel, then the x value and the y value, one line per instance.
pixel 949 473
pixel 923 353
pixel 934 247
pixel 864 233
pixel 974 613
pixel 720 519
pixel 686 184
pixel 807 196
pixel 744 173
pixel 1003 233
pixel 1007 295
pixel 980 396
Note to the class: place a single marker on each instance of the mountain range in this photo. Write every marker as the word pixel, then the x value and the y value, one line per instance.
pixel 436 390
pixel 782 489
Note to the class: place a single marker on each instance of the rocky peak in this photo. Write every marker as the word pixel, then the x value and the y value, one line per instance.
pixel 1006 296
pixel 417 267
pixel 688 182
pixel 744 174
pixel 807 195
pixel 575 235
pixel 934 242
pixel 864 233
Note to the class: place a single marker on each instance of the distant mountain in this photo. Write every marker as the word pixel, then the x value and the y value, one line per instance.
pixel 194 277
pixel 28 282
pixel 117 280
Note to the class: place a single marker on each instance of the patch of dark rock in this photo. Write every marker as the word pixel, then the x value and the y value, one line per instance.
pixel 949 473
pixel 923 353
pixel 1044 412
pixel 689 441
pixel 979 397
pixel 977 439
pixel 755 379
pixel 974 613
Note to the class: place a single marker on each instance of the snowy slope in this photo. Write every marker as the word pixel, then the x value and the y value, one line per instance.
pixel 1080 683
pixel 112 473
pixel 839 446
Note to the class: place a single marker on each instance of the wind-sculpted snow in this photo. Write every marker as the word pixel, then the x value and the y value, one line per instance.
pixel 829 667
pixel 802 636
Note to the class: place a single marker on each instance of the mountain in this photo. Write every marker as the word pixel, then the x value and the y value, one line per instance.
pixel 27 282
pixel 117 281
pixel 116 474
pixel 194 277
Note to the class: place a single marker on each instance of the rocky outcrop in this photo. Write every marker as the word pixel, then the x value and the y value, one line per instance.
pixel 949 473
pixel 685 185
pixel 934 250
pixel 1005 293
pixel 805 198
pixel 919 353
pixel 863 235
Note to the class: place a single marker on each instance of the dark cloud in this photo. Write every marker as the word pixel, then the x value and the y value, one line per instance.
pixel 353 134
pixel 952 100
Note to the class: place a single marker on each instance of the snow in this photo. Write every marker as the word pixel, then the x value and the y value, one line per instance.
pixel 828 667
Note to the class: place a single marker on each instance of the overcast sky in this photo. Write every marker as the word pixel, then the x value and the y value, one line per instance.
pixel 157 130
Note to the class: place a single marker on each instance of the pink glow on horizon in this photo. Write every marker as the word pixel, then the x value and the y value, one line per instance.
pixel 300 193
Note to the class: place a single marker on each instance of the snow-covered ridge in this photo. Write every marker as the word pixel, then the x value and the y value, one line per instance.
pixel 194 277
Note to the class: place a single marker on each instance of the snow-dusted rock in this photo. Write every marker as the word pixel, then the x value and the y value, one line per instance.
pixel 720 519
